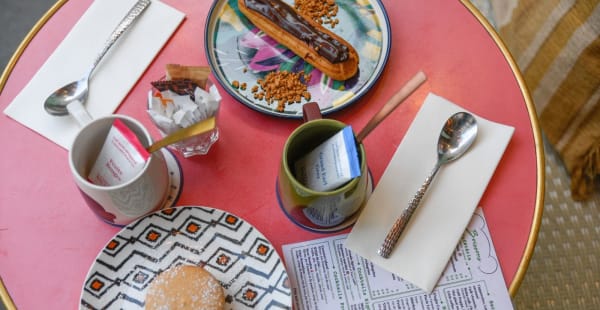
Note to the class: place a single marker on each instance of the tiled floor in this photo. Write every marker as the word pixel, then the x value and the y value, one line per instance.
pixel 17 17
pixel 564 272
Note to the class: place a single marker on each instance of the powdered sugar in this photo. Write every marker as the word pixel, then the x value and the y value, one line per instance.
pixel 185 287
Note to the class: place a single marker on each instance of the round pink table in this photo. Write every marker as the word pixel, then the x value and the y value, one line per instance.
pixel 49 238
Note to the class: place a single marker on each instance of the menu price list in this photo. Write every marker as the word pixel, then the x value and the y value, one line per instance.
pixel 326 275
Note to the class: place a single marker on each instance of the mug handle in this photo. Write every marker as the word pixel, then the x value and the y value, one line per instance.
pixel 311 111
pixel 78 111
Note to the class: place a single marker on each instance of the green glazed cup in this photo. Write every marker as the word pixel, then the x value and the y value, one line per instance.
pixel 327 211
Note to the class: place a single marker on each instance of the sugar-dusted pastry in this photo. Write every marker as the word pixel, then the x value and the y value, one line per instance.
pixel 185 287
pixel 318 46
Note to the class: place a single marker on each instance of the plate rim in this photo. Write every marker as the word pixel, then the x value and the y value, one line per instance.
pixel 82 305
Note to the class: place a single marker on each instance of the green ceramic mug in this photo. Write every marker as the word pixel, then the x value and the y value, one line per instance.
pixel 320 211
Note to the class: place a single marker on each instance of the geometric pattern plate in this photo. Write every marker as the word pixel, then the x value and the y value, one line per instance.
pixel 233 251
pixel 237 51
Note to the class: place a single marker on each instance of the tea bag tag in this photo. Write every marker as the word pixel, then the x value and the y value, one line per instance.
pixel 331 164
pixel 121 158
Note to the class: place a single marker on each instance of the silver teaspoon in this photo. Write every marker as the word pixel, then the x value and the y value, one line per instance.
pixel 76 92
pixel 457 135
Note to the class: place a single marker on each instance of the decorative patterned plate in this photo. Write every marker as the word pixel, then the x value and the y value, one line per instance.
pixel 233 251
pixel 238 51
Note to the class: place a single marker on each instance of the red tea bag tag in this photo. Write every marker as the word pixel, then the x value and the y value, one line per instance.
pixel 122 157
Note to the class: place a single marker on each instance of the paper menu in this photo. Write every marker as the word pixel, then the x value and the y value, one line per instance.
pixel 326 275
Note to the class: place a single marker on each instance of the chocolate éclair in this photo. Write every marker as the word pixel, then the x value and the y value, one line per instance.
pixel 318 46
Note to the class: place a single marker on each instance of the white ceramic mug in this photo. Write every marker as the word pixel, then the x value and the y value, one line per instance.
pixel 124 203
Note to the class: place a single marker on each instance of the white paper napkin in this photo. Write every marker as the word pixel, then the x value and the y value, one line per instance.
pixel 424 248
pixel 114 77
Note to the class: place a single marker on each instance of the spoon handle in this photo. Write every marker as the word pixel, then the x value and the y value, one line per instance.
pixel 394 234
pixel 133 13
pixel 405 91
pixel 181 134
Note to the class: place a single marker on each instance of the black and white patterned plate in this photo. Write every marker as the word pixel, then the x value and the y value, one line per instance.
pixel 233 251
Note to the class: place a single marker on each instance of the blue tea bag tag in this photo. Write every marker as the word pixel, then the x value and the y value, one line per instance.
pixel 331 164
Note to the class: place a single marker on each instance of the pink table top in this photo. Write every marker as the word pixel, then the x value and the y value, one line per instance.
pixel 49 238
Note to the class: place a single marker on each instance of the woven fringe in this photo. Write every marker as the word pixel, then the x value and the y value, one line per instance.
pixel 585 175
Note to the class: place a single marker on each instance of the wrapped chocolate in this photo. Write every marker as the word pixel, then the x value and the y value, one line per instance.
pixel 177 104
pixel 197 74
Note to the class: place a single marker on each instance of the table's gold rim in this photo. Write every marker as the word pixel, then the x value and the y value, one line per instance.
pixel 21 48
pixel 5 298
pixel 539 206
pixel 539 147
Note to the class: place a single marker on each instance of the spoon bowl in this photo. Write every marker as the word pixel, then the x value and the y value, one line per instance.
pixel 56 103
pixel 457 136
